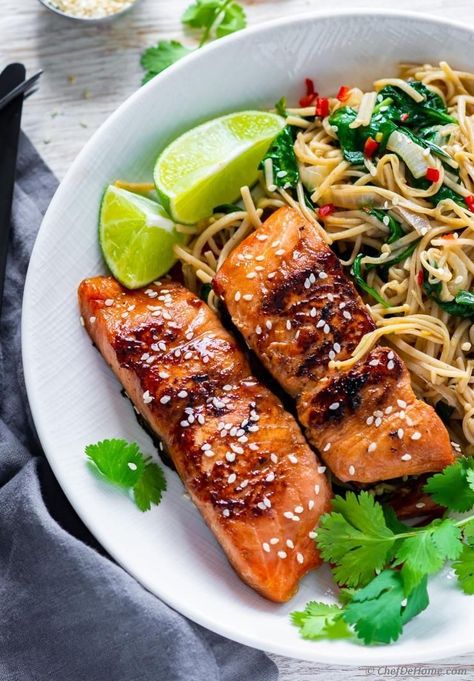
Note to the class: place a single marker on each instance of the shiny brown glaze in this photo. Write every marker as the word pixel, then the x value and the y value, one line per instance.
pixel 304 311
pixel 241 456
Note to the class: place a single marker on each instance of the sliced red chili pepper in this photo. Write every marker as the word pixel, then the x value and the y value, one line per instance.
pixel 432 174
pixel 470 202
pixel 309 86
pixel 343 93
pixel 326 210
pixel 322 107
pixel 370 147
pixel 420 277
pixel 404 117
pixel 308 100
pixel 450 236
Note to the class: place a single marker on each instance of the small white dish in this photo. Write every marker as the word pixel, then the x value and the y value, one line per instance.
pixel 49 4
pixel 74 397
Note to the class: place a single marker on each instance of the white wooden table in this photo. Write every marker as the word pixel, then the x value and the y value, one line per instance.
pixel 89 71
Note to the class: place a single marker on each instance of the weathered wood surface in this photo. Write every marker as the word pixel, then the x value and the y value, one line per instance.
pixel 89 71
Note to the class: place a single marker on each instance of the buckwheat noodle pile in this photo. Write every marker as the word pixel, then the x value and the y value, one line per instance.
pixel 397 213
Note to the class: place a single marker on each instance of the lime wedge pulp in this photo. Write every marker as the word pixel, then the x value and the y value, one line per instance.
pixel 208 165
pixel 136 236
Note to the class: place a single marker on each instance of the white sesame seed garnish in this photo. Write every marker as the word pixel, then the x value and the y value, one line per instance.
pixel 390 365
pixel 420 504
pixel 295 518
pixel 274 458
pixel 248 296
pixel 270 477
pixel 313 312
pixel 262 237
pixel 406 457
pixel 288 324
pixel 266 547
pixel 321 469
pixel 267 502
pixel 268 324
pixel 372 447
pixel 352 470
pixel 282 554
pixel 299 509
pixel 337 347
pixel 258 330
pixel 323 275
pixel 237 296
pixel 260 258
pixel 292 458
pixel 275 243
pixel 369 421
pixel 81 320
pixel 312 278
pixel 334 406
pixel 244 484
pixel 327 447
pixel 271 275
pixel 310 504
pixel 182 394
pixel 300 558
pixel 109 302
pixel 374 363
pixel 312 534
pixel 226 513
pixel 346 315
pixel 232 478
pixel 331 354
pixel 165 399
pixel 92 320
pixel 288 514
pixel 281 251
pixel 327 328
pixel 320 323
pixel 274 540
pixel 251 275
pixel 389 410
pixel 147 398
pixel 391 355
pixel 416 435
pixel 402 404
pixel 184 424
pixel 400 433
pixel 253 446
pixel 290 544
pixel 378 421
pixel 317 489
pixel 230 456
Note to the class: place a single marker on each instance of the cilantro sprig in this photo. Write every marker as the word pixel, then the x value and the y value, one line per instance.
pixel 214 18
pixel 121 463
pixel 382 565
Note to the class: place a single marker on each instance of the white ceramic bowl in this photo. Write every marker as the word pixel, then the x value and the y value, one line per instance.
pixel 74 397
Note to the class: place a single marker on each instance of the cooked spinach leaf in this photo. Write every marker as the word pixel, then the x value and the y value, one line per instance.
pixel 420 114
pixel 394 227
pixel 282 154
pixel 356 271
pixel 461 306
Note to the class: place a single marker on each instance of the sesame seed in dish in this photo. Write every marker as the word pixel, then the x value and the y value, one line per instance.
pixel 90 9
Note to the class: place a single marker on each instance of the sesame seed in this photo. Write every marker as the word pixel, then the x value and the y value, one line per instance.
pixel 226 513
pixel 400 433
pixel 288 514
pixel 300 558
pixel 346 315
pixel 184 424
pixel 372 447
pixel 253 446
pixel 402 404
pixel 163 374
pixel 290 544
pixel 352 470
pixel 312 534
pixel 337 347
pixel 260 258
pixel 230 456
pixel 147 398
pixel 327 447
pixel 334 406
pixel 282 554
pixel 320 323
pixel 374 363
pixel 251 275
pixel 310 504
pixel 288 324
pixel 323 275
pixel 313 312
pixel 390 365
pixel 317 489
pixel 92 320
pixel 307 283
pixel 274 540
pixel 267 502
pixel 247 296
pixel 312 278
pixel 266 547
pixel 331 354
pixel 299 509
pixel 391 355
pixel 327 328
pixel 420 504
pixel 261 506
pixel 389 410
pixel 274 458
pixel 258 330
pixel 416 435
pixel 270 275
pixel 227 387
pixel 182 394
pixel 237 296
pixel 369 421
pixel 281 251
pixel 109 302
pixel 165 399
pixel 262 237
pixel 268 324
pixel 81 320
pixel 259 268
pixel 406 457
pixel 232 478
pixel 378 421
pixel 296 518
pixel 270 477
pixel 292 458
pixel 321 469
pixel 275 243
pixel 244 484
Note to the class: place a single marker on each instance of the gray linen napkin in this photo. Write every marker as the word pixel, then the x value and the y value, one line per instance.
pixel 67 611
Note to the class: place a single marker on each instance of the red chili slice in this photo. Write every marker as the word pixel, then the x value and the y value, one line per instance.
pixel 470 202
pixel 432 174
pixel 326 210
pixel 370 147
pixel 322 107
pixel 343 93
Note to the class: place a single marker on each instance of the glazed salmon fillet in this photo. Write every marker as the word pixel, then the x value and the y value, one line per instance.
pixel 241 456
pixel 288 295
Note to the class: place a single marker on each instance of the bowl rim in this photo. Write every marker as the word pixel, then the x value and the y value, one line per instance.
pixel 34 396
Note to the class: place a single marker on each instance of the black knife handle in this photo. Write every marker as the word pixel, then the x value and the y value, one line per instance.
pixel 10 121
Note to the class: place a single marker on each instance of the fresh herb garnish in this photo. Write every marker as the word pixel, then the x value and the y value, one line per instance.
pixel 216 19
pixel 386 563
pixel 282 154
pixel 280 107
pixel 122 464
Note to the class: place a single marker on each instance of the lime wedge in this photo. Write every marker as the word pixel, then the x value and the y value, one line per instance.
pixel 209 164
pixel 136 237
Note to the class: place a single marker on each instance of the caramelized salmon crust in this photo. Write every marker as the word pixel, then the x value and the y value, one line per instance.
pixel 241 456
pixel 288 295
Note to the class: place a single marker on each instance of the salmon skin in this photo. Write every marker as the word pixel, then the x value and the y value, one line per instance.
pixel 289 297
pixel 241 456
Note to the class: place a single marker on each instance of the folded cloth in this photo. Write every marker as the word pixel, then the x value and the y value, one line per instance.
pixel 67 611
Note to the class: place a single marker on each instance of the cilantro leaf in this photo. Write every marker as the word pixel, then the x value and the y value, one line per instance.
pixel 234 19
pixel 150 487
pixel 122 463
pixel 201 13
pixel 280 107
pixel 378 611
pixel 464 569
pixel 453 487
pixel 119 461
pixel 156 59
pixel 282 154
pixel 321 621
pixel 355 536
pixel 468 532
pixel 427 551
